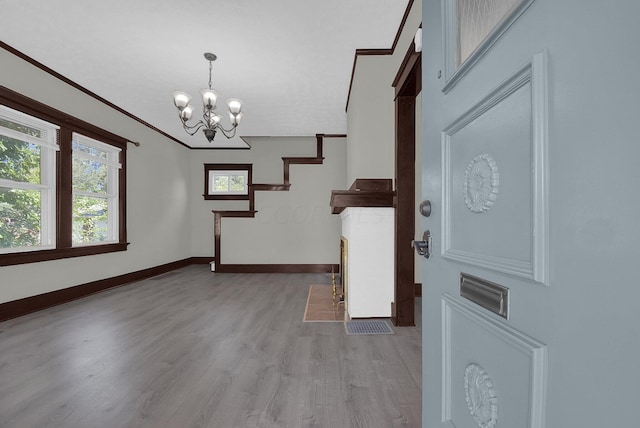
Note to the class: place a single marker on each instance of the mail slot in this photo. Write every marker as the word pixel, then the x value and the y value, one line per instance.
pixel 489 295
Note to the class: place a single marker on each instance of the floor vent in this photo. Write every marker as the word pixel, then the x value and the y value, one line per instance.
pixel 368 327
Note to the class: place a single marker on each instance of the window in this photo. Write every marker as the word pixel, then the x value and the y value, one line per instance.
pixel 227 181
pixel 95 191
pixel 62 184
pixel 27 182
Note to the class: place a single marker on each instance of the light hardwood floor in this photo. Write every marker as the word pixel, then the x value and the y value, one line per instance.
pixel 194 348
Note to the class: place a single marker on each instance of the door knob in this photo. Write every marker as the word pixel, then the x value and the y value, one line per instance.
pixel 425 208
pixel 423 247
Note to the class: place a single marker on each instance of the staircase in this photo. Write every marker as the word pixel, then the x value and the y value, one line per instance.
pixel 218 266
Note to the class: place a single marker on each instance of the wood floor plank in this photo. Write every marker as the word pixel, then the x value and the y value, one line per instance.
pixel 202 349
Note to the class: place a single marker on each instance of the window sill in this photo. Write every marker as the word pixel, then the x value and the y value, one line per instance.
pixel 59 253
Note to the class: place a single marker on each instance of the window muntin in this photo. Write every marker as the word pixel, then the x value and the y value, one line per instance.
pixel 95 168
pixel 27 182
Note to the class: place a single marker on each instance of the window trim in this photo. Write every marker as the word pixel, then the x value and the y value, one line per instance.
pixel 68 124
pixel 244 167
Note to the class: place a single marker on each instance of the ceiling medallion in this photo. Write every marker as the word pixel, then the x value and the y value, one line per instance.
pixel 481 180
pixel 481 396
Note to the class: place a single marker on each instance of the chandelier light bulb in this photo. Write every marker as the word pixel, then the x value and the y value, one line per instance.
pixel 235 105
pixel 181 99
pixel 186 112
pixel 209 98
pixel 235 118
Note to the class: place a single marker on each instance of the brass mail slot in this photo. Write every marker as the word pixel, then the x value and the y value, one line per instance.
pixel 489 295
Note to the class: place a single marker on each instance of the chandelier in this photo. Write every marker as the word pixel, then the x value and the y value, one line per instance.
pixel 210 122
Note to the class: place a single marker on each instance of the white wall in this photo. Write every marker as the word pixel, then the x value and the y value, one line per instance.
pixel 371 110
pixel 294 226
pixel 158 183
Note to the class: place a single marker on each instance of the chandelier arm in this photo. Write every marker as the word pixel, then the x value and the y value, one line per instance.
pixel 192 129
pixel 229 133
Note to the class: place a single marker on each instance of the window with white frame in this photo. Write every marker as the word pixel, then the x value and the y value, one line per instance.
pixel 227 181
pixel 27 182
pixel 95 191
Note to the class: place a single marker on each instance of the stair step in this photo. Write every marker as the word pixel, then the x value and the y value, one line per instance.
pixel 246 213
pixel 271 187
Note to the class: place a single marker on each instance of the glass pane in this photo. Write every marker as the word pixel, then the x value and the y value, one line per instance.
pixel 19 160
pixel 476 19
pixel 90 217
pixel 237 183
pixel 79 147
pixel 34 132
pixel 221 183
pixel 20 215
pixel 89 175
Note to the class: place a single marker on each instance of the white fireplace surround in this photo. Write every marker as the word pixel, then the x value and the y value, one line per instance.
pixel 370 236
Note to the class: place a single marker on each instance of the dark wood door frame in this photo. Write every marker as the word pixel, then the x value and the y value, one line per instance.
pixel 407 84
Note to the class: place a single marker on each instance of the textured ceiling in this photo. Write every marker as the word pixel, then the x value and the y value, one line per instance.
pixel 290 61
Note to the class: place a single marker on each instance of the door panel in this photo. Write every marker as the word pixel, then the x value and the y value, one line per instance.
pixel 494 178
pixel 490 371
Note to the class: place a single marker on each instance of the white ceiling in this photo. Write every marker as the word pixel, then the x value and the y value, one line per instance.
pixel 290 61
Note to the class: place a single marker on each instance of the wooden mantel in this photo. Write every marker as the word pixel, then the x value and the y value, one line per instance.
pixel 364 192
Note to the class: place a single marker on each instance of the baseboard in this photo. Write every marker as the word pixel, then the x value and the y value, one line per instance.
pixel 31 304
pixel 201 260
pixel 18 308
pixel 278 268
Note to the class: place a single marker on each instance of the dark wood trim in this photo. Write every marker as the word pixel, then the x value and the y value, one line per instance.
pixel 404 212
pixel 321 136
pixel 60 253
pixel 208 167
pixel 406 81
pixel 358 53
pixel 68 125
pixel 64 173
pixel 372 184
pixel 418 288
pixel 31 304
pixel 298 161
pixel 278 268
pixel 341 199
pixel 402 23
pixel 217 229
pixel 201 260
pixel 407 84
pixel 364 192
pixel 379 51
pixel 247 214
pixel 264 187
pixel 102 100
pixel 20 307
pixel 17 101
pixel 219 148
pixel 85 91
